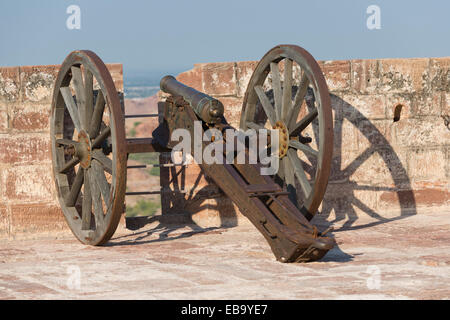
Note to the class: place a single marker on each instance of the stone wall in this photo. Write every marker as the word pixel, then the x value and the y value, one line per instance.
pixel 28 201
pixel 382 169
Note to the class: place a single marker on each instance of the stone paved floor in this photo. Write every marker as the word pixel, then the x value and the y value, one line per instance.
pixel 402 259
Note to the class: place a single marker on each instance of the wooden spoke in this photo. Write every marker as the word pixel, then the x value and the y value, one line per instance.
pixel 86 210
pixel 66 142
pixel 71 106
pixel 303 147
pixel 288 172
pixel 103 160
pixel 77 81
pixel 96 197
pixel 303 123
pixel 281 169
pixel 97 115
pixel 291 118
pixel 267 106
pixel 89 96
pixel 69 165
pixel 72 196
pixel 253 125
pixel 100 138
pixel 276 84
pixel 287 89
pixel 299 172
pixel 101 181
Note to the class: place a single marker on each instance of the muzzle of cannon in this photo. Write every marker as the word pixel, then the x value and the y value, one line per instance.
pixel 205 107
pixel 287 92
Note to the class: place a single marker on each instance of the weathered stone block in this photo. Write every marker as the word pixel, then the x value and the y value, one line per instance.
pixel 440 74
pixel 31 117
pixel 391 166
pixel 447 162
pixel 192 78
pixel 3 198
pixel 30 183
pixel 365 204
pixel 420 132
pixel 415 198
pixel 345 138
pixel 363 107
pixel 427 164
pixel 116 70
pixel 3 121
pixel 365 76
pixel 233 108
pixel 372 166
pixel 4 225
pixel 427 104
pixel 37 82
pixel 394 100
pixel 9 84
pixel 446 105
pixel 218 212
pixel 404 75
pixel 337 74
pixel 397 198
pixel 337 105
pixel 372 134
pixel 244 71
pixel 373 170
pixel 37 217
pixel 219 79
pixel 25 148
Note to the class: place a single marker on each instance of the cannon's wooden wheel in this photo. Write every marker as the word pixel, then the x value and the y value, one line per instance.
pixel 287 91
pixel 88 147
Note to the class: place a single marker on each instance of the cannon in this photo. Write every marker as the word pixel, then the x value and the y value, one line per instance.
pixel 287 92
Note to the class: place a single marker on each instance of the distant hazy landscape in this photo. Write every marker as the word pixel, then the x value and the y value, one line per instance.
pixel 142 84
pixel 140 89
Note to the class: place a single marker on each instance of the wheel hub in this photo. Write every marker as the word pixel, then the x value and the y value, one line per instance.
pixel 283 138
pixel 83 150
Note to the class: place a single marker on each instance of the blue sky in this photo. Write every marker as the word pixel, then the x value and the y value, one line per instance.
pixel 170 36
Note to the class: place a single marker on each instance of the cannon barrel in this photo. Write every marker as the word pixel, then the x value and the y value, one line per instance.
pixel 206 107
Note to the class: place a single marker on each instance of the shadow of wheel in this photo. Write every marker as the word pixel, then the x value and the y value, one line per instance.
pixel 340 180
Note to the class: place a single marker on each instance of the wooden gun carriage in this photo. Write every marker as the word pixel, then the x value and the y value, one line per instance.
pixel 287 92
